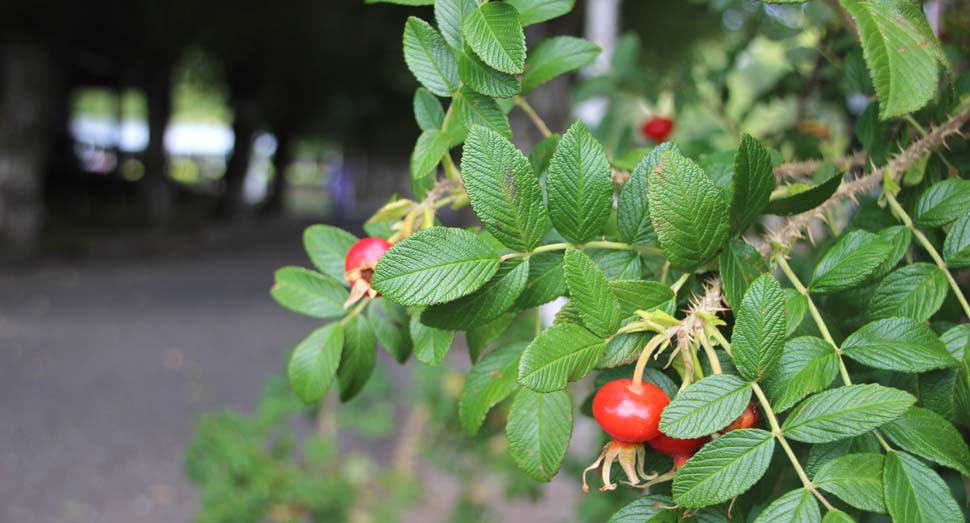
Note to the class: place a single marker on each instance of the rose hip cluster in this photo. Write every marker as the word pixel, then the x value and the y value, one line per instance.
pixel 629 411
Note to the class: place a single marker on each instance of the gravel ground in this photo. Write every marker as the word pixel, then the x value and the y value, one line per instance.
pixel 105 366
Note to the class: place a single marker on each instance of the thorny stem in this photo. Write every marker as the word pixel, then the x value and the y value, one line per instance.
pixel 530 112
pixel 796 170
pixel 816 315
pixel 780 436
pixel 792 228
pixel 925 242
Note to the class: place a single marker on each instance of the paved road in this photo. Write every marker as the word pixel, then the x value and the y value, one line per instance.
pixel 104 367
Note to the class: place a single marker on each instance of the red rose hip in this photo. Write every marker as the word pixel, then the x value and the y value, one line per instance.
pixel 674 447
pixel 359 267
pixel 749 418
pixel 631 416
pixel 658 128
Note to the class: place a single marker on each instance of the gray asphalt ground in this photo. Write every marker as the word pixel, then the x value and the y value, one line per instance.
pixel 105 365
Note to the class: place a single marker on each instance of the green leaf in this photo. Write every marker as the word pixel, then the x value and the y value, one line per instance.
pixel 739 265
pixel 431 146
pixel 807 365
pixel 393 330
pixel 850 262
pixel 429 58
pixel 483 79
pixel 561 353
pixel 914 493
pixel 942 203
pixel 635 295
pixel 899 237
pixel 479 337
pixel 430 344
pixel 797 506
pixel 822 453
pixel 901 51
pixel 539 428
pixel 449 15
pixel 547 280
pixel 483 305
pixel 434 266
pixel 856 479
pixel 624 348
pixel 753 183
pixel 542 153
pixel 796 305
pixel 427 110
pixel 653 508
pixel 494 32
pixel 724 468
pixel 900 344
pixel 471 109
pixel 804 198
pixel 617 264
pixel 503 190
pixel 327 247
pixel 837 516
pixel 358 357
pixel 535 11
pixel 308 292
pixel 913 291
pixel 929 435
pixel 633 210
pixel 590 293
pixel 845 412
pixel 759 330
pixel 490 381
pixel 956 248
pixel 555 56
pixel 705 407
pixel 314 362
pixel 687 210
pixel 579 186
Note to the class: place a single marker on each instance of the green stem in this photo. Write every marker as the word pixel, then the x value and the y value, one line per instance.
pixel 925 242
pixel 912 121
pixel 780 436
pixel 820 323
pixel 356 311
pixel 680 282
pixel 722 340
pixel 451 170
pixel 711 355
pixel 643 249
pixel 533 115
pixel 816 315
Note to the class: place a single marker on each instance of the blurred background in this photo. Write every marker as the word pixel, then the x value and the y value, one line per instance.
pixel 159 160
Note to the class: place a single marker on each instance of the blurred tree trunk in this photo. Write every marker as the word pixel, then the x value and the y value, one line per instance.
pixel 281 160
pixel 27 84
pixel 243 129
pixel 156 189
